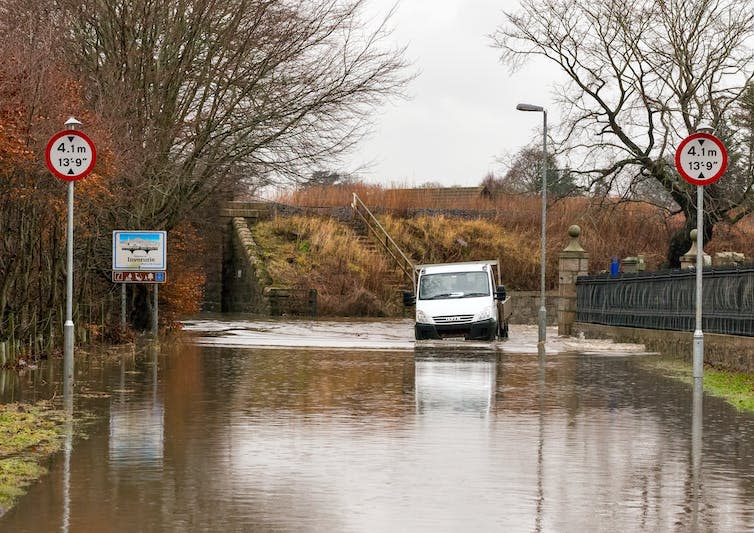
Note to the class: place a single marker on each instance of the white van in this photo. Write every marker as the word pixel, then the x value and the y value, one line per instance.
pixel 460 300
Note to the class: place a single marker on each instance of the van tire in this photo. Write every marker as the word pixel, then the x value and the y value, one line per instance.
pixel 502 330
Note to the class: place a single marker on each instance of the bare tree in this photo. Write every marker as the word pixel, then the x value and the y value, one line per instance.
pixel 203 88
pixel 328 178
pixel 641 76
pixel 184 99
pixel 524 175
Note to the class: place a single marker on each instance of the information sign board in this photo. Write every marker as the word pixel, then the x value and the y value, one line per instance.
pixel 139 250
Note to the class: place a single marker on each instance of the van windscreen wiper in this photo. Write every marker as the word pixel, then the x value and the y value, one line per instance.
pixel 445 295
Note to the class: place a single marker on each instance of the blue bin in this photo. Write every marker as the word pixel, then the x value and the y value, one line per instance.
pixel 614 267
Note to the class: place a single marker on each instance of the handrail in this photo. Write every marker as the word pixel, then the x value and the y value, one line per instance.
pixel 403 261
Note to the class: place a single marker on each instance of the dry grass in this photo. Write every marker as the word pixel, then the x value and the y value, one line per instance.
pixel 507 227
pixel 319 252
pixel 439 239
pixel 607 231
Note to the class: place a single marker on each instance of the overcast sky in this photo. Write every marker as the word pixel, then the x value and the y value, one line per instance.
pixel 461 114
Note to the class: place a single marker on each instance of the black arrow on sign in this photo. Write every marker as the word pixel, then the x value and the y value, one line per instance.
pixel 70 172
pixel 701 176
pixel 70 139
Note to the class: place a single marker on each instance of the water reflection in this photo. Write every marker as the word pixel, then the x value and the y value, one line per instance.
pixel 696 451
pixel 67 450
pixel 448 384
pixel 541 438
pixel 137 428
pixel 8 379
pixel 228 439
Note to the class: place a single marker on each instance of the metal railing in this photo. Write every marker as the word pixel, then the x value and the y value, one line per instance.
pixel 383 238
pixel 665 300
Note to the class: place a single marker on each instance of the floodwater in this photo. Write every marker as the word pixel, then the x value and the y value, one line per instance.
pixel 349 427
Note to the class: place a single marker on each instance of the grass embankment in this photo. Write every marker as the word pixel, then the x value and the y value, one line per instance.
pixel 609 228
pixel 736 388
pixel 29 434
pixel 353 280
pixel 320 253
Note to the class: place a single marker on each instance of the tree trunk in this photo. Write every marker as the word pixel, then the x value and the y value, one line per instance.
pixel 680 242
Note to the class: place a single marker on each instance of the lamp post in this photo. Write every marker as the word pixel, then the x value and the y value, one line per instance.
pixel 543 239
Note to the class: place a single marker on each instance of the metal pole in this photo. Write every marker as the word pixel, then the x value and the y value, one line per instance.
pixel 542 266
pixel 155 318
pixel 123 305
pixel 698 334
pixel 68 330
pixel 68 334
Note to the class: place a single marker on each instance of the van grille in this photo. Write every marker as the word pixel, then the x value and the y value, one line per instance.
pixel 453 319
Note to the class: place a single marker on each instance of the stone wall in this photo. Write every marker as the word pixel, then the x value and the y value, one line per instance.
pixel 215 234
pixel 216 230
pixel 526 307
pixel 244 277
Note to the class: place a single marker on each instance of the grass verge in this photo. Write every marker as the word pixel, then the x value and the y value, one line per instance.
pixel 29 434
pixel 736 388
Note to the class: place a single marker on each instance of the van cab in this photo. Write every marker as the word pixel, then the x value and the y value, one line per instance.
pixel 459 300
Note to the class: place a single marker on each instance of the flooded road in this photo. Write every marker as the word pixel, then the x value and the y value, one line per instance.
pixel 348 427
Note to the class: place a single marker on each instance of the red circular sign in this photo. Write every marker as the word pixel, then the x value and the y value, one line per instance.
pixel 701 159
pixel 70 155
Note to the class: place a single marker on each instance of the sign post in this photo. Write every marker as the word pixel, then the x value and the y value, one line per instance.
pixel 70 156
pixel 140 257
pixel 701 159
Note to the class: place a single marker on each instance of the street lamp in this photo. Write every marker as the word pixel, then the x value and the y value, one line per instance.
pixel 543 239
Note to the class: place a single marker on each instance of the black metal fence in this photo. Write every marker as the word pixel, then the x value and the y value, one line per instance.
pixel 666 300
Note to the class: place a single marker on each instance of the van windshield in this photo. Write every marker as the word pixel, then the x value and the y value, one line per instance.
pixel 454 285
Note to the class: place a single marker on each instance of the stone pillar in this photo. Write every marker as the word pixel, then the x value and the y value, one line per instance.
pixel 573 261
pixel 688 260
pixel 630 265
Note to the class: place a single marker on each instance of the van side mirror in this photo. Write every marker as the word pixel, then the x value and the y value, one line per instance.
pixel 409 299
pixel 500 294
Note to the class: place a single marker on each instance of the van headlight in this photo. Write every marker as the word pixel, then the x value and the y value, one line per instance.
pixel 422 317
pixel 484 314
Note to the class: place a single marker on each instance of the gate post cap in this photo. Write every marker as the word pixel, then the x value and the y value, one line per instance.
pixel 574 246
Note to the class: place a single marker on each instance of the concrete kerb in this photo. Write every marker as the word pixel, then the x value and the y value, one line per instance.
pixel 726 352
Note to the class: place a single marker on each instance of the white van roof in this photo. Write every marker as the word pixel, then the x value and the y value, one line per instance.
pixel 469 266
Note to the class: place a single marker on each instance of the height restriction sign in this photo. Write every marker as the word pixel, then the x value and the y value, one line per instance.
pixel 70 155
pixel 701 159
